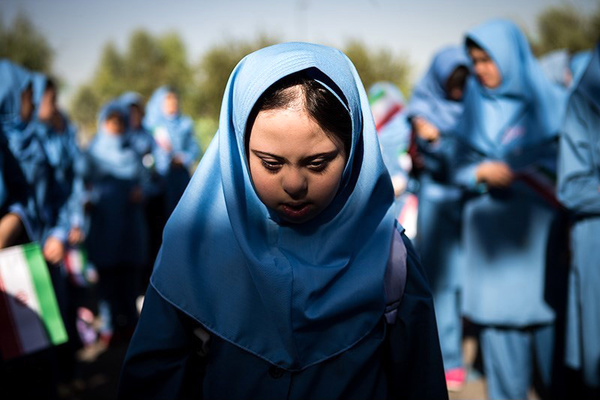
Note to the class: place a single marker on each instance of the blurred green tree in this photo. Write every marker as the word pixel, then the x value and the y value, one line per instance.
pixel 147 63
pixel 566 27
pixel 22 43
pixel 375 65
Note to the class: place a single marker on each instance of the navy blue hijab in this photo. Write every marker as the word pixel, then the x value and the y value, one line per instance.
pixel 293 295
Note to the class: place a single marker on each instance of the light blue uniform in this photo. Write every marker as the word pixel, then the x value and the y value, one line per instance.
pixel 438 239
pixel 579 190
pixel 178 132
pixel 243 306
pixel 118 234
pixel 507 232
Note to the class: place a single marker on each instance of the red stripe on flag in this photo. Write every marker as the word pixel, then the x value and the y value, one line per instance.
pixel 395 109
pixel 9 341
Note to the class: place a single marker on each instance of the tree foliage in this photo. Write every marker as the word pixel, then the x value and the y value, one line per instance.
pixel 22 43
pixel 566 27
pixel 214 69
pixel 375 65
pixel 147 63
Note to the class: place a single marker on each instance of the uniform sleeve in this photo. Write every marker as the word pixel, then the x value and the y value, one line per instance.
pixel 161 362
pixel 416 366
pixel 579 168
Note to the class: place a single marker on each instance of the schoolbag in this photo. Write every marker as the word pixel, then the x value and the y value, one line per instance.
pixel 395 277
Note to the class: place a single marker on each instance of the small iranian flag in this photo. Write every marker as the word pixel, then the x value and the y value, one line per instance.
pixel 29 316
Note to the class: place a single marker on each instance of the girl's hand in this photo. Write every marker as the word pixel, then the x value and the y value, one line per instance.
pixel 76 236
pixel 495 174
pixel 10 229
pixel 54 250
pixel 425 129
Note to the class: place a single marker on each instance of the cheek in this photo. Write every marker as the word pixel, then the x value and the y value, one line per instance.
pixel 265 183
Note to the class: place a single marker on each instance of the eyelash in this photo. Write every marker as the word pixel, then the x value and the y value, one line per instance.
pixel 315 166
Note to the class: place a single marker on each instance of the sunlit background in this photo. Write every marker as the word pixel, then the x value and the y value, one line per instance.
pixel 99 49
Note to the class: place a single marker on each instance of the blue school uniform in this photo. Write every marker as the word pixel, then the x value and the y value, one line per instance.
pixel 507 231
pixel 438 240
pixel 62 154
pixel 117 243
pixel 175 138
pixel 251 308
pixel 579 190
pixel 117 226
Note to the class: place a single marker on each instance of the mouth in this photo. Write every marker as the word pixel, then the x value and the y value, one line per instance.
pixel 295 211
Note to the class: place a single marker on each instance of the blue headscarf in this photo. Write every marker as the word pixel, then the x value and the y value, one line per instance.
pixel 578 63
pixel 293 295
pixel 589 83
pixel 15 80
pixel 525 110
pixel 556 65
pixel 127 100
pixel 429 98
pixel 109 148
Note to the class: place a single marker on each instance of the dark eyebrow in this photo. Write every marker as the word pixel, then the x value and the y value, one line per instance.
pixel 265 154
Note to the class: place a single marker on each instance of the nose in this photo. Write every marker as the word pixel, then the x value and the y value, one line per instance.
pixel 295 183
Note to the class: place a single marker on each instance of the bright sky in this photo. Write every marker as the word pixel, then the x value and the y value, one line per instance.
pixel 78 29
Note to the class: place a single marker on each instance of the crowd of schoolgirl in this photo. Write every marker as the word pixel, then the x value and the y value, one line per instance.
pixel 495 173
pixel 103 206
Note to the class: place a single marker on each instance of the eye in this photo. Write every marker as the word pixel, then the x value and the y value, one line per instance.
pixel 318 165
pixel 272 166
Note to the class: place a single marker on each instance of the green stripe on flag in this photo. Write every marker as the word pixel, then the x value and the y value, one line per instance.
pixel 43 286
pixel 376 96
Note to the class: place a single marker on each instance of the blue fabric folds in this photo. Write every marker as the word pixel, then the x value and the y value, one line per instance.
pixel 429 99
pixel 488 123
pixel 293 295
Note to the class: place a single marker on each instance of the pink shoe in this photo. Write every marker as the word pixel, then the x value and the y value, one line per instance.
pixel 455 379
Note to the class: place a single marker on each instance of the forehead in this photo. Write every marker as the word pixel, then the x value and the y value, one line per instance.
pixel 479 53
pixel 288 131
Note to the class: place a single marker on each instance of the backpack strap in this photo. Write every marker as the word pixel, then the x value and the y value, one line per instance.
pixel 395 277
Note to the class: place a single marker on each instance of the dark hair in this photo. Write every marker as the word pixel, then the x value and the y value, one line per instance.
pixel 50 84
pixel 471 44
pixel 457 78
pixel 320 104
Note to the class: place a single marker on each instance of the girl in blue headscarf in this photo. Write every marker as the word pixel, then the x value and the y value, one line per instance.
pixel 147 150
pixel 15 219
pixel 22 133
pixel 174 134
pixel 579 190
pixel 508 134
pixel 117 241
pixel 434 109
pixel 270 280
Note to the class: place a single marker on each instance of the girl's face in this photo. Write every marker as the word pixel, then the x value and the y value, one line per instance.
pixel 47 105
pixel 296 168
pixel 485 68
pixel 171 104
pixel 26 104
pixel 113 125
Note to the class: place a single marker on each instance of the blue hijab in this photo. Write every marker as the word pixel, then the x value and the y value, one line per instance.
pixel 556 65
pixel 111 150
pixel 524 111
pixel 429 98
pixel 293 295
pixel 589 83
